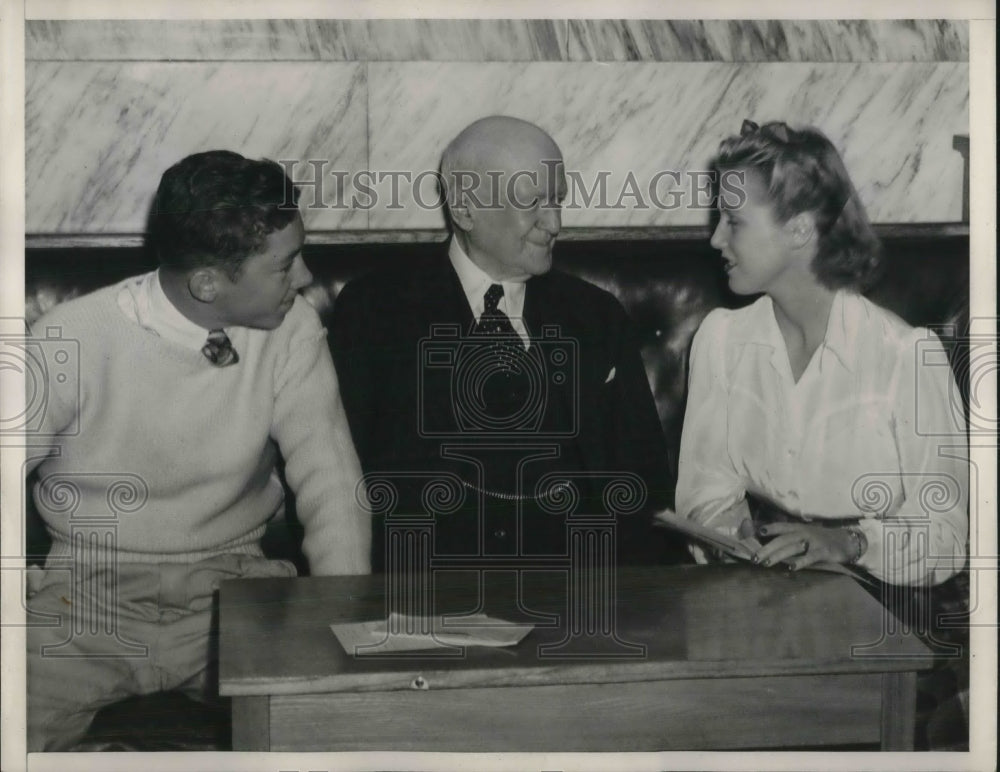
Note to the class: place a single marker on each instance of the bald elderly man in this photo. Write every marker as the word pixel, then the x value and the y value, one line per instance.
pixel 486 364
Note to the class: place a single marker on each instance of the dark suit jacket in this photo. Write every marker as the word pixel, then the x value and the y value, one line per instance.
pixel 596 419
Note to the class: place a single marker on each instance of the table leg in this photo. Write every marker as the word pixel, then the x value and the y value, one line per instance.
pixel 252 723
pixel 899 711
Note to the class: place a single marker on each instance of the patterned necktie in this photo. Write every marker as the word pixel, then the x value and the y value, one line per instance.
pixel 219 350
pixel 494 321
pixel 496 324
pixel 504 372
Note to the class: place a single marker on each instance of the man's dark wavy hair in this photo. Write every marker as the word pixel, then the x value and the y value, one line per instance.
pixel 217 208
pixel 803 172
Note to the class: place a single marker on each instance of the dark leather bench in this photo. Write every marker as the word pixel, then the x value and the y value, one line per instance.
pixel 667 286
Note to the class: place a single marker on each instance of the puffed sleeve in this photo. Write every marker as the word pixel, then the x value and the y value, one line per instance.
pixel 709 490
pixel 924 540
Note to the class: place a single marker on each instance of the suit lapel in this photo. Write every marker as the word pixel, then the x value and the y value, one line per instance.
pixel 448 304
pixel 538 306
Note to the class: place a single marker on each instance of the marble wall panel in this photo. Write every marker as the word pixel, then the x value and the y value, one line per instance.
pixel 500 40
pixel 802 40
pixel 99 135
pixel 158 40
pixel 299 39
pixel 894 123
pixel 477 40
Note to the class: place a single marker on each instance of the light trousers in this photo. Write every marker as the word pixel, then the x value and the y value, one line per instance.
pixel 99 635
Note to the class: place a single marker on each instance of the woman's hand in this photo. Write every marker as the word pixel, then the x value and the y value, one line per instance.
pixel 802 544
pixel 744 531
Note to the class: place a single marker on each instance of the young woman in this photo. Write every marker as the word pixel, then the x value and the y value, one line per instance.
pixel 813 398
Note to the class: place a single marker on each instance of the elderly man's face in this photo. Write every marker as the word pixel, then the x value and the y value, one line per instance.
pixel 513 239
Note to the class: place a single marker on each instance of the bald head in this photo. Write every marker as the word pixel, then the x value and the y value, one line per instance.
pixel 493 145
pixel 504 180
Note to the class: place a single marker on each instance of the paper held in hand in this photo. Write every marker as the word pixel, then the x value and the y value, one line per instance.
pixel 743 549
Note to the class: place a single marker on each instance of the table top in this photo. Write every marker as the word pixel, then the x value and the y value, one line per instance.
pixel 665 623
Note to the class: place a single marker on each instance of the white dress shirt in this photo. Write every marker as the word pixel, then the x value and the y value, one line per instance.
pixel 873 429
pixel 475 281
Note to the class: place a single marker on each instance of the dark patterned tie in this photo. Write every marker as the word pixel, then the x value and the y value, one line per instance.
pixel 494 321
pixel 496 324
pixel 504 393
pixel 219 349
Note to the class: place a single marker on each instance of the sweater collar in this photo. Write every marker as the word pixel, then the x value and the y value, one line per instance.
pixel 143 300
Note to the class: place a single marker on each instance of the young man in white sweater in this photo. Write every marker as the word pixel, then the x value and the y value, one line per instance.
pixel 161 474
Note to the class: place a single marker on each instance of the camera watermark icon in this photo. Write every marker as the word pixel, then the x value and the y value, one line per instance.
pixel 49 365
pixel 973 358
pixel 497 388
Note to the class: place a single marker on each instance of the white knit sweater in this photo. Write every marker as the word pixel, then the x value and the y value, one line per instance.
pixel 180 455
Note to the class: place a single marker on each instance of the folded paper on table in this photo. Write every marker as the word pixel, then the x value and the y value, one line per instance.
pixel 411 633
pixel 741 549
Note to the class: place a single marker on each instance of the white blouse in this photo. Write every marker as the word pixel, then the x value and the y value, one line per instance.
pixel 874 429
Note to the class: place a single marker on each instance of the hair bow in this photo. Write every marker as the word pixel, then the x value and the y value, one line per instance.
pixel 776 129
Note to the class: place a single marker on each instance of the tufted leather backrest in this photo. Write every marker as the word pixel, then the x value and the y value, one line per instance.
pixel 667 287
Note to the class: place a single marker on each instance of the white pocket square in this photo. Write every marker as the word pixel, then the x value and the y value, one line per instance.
pixel 611 375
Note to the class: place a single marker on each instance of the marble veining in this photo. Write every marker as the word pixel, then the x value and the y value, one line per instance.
pixel 733 40
pixel 156 40
pixel 299 39
pixel 894 123
pixel 99 135
pixel 443 39
pixel 723 40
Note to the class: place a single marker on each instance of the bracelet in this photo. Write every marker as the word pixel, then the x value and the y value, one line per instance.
pixel 860 540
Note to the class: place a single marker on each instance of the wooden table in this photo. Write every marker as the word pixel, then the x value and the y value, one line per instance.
pixel 694 657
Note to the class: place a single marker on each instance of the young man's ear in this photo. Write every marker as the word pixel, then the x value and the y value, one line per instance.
pixel 203 285
pixel 801 229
